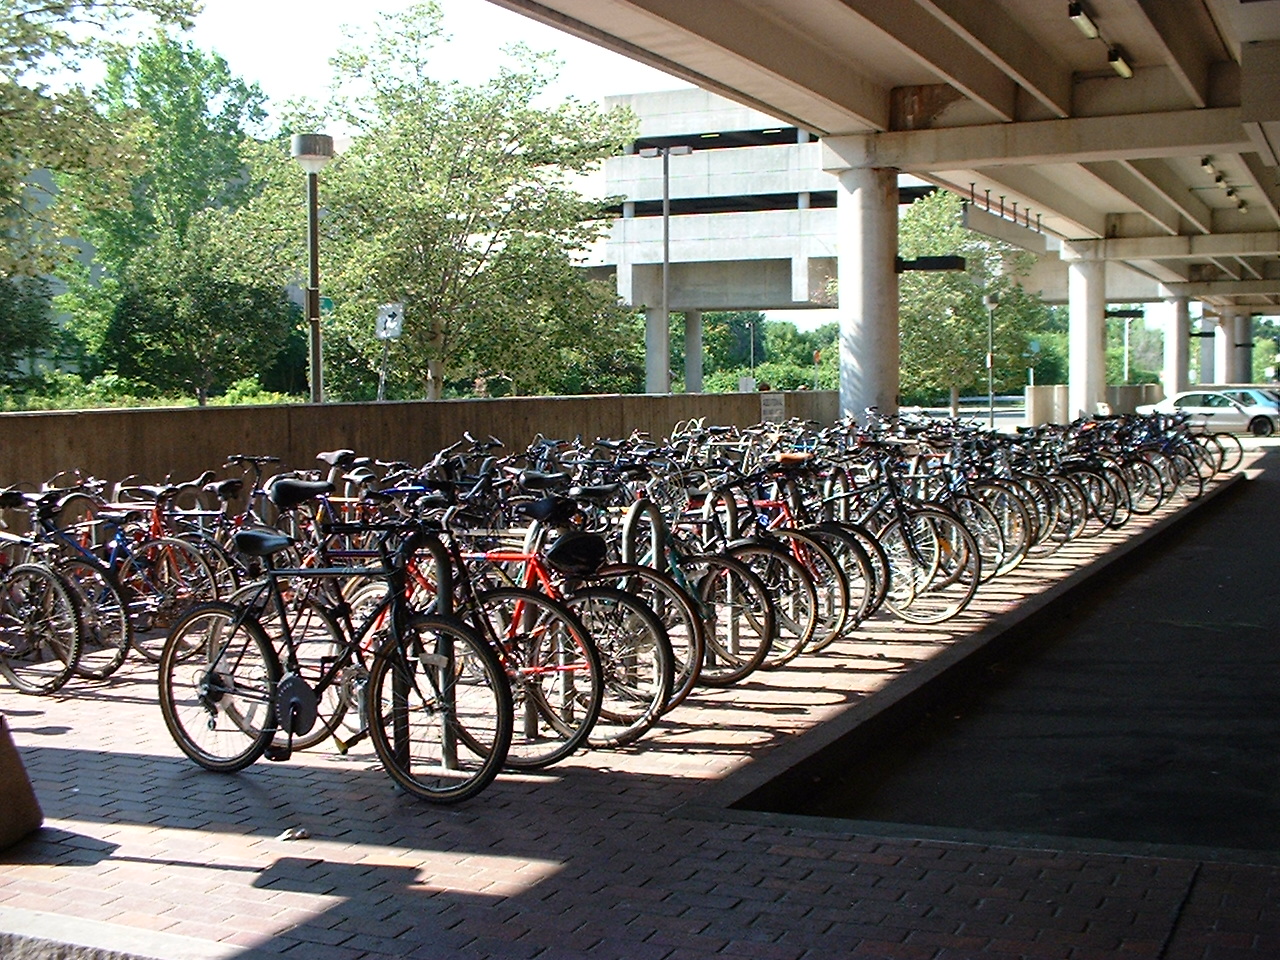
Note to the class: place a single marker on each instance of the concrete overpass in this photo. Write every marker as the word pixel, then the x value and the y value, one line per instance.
pixel 1140 134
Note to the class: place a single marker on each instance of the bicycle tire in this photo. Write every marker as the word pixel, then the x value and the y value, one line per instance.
pixel 40 629
pixel 936 566
pixel 793 592
pixel 440 710
pixel 1232 451
pixel 1009 508
pixel 635 655
pixel 829 581
pixel 557 681
pixel 160 579
pixel 318 642
pixel 677 613
pixel 739 615
pixel 859 575
pixel 217 683
pixel 106 633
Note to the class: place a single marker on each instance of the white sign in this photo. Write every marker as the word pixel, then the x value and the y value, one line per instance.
pixel 773 407
pixel 390 321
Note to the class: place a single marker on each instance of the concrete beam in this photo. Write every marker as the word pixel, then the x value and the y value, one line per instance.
pixel 1158 175
pixel 1007 45
pixel 1174 36
pixel 1174 248
pixel 1077 140
pixel 1225 288
pixel 1045 194
pixel 1121 179
pixel 930 43
pixel 762 43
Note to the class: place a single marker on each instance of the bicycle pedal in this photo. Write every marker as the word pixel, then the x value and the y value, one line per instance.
pixel 277 753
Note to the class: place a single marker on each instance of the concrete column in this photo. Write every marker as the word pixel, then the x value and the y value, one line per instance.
pixel 1086 338
pixel 867 241
pixel 693 351
pixel 1177 335
pixel 1206 350
pixel 1224 335
pixel 657 352
pixel 1244 347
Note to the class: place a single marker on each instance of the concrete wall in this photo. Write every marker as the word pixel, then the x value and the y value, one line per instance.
pixel 1048 404
pixel 182 443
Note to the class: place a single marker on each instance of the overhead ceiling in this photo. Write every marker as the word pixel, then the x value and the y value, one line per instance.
pixel 1010 99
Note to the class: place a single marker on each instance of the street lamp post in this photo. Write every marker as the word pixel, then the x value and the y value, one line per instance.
pixel 666 153
pixel 990 300
pixel 313 151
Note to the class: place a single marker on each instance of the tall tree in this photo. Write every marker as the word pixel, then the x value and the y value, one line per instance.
pixel 164 287
pixel 460 203
pixel 43 129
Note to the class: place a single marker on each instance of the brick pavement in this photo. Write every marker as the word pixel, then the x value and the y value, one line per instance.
pixel 629 854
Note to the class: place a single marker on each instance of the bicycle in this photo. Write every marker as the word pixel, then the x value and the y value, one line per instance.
pixel 438 708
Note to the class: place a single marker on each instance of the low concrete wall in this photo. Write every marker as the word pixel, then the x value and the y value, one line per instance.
pixel 183 442
pixel 1049 403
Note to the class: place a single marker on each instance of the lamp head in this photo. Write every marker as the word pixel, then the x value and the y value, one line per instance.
pixel 312 150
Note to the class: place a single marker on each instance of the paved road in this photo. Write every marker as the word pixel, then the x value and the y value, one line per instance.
pixel 1148 710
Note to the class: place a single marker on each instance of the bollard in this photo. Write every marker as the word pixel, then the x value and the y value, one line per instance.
pixel 20 813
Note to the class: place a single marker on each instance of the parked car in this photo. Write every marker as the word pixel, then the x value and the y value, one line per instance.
pixel 1226 411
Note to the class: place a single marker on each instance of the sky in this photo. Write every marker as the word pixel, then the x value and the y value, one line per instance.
pixel 284 46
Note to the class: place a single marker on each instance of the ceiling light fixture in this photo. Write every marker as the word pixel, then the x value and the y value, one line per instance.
pixel 1119 63
pixel 1206 164
pixel 1081 19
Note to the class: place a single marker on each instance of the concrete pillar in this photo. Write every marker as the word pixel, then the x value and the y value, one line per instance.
pixel 1177 336
pixel 1224 336
pixel 867 241
pixel 693 351
pixel 1086 338
pixel 1206 350
pixel 657 352
pixel 1244 347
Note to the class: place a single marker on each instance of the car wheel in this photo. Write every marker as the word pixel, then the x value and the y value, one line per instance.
pixel 1262 427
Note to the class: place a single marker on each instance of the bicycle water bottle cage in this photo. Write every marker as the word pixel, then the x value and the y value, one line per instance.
pixel 553 511
pixel 577 554
pixel 287 493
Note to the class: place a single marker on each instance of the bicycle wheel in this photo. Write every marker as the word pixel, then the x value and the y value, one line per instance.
pixel 980 521
pixel 739 615
pixel 1232 451
pixel 936 565
pixel 636 658
pixel 440 710
pixel 39 629
pixel 1013 518
pixel 160 580
pixel 859 575
pixel 106 633
pixel 793 592
pixel 830 584
pixel 676 612
pixel 557 682
pixel 318 644
pixel 218 676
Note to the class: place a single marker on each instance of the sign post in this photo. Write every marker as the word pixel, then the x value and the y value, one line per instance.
pixel 388 327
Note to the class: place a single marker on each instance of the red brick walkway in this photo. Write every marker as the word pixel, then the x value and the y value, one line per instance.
pixel 627 854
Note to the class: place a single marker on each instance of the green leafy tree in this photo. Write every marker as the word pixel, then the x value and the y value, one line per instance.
pixel 182 324
pixel 171 299
pixel 42 129
pixel 459 202
pixel 27 330
pixel 944 318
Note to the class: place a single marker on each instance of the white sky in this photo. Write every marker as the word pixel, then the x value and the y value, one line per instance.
pixel 284 46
